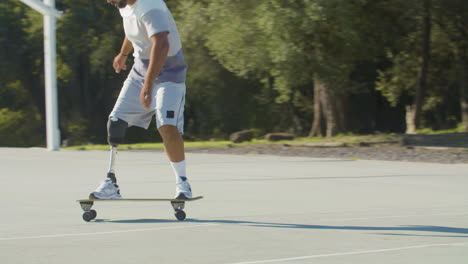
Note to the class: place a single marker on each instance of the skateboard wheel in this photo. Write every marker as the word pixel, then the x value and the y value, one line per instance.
pixel 88 216
pixel 94 213
pixel 180 215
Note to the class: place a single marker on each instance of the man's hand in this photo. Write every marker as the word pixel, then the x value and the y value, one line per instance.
pixel 120 63
pixel 146 96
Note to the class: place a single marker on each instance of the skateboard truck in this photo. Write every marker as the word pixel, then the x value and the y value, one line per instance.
pixel 179 210
pixel 86 206
pixel 88 214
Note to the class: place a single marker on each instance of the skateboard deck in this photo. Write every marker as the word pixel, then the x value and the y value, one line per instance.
pixel 177 204
pixel 141 200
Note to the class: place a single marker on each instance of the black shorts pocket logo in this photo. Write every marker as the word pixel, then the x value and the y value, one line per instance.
pixel 170 114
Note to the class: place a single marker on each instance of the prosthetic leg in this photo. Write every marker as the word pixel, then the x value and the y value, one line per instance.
pixel 111 171
pixel 109 188
pixel 116 133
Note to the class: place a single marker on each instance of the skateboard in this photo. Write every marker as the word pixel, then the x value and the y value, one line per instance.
pixel 177 204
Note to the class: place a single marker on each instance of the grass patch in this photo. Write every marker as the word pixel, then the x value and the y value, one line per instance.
pixel 350 139
pixel 188 144
pixel 429 131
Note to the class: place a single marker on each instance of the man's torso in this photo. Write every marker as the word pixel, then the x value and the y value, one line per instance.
pixel 143 20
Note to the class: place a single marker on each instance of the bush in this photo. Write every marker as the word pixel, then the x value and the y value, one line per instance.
pixel 20 129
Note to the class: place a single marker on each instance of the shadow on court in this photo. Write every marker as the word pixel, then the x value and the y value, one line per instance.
pixel 410 228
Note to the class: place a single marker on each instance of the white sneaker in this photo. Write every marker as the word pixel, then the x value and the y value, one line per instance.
pixel 183 189
pixel 107 190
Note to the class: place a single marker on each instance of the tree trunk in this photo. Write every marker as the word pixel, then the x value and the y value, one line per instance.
pixel 464 106
pixel 334 107
pixel 413 116
pixel 341 109
pixel 410 124
pixel 463 65
pixel 316 129
pixel 329 111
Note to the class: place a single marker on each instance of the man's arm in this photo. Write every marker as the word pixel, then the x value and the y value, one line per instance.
pixel 121 58
pixel 158 57
pixel 126 47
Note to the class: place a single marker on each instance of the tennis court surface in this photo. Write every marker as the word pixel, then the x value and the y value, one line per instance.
pixel 257 209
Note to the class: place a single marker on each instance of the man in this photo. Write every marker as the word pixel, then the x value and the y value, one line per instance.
pixel 154 86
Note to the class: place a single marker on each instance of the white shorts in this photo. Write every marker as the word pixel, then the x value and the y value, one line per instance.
pixel 168 105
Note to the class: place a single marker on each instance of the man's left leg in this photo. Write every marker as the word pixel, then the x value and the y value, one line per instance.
pixel 173 143
pixel 169 106
pixel 174 147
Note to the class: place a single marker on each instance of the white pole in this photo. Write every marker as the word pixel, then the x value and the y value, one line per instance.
pixel 50 58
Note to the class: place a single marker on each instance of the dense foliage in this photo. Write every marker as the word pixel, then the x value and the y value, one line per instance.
pixel 268 65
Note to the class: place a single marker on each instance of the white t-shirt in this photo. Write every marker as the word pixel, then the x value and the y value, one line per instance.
pixel 146 18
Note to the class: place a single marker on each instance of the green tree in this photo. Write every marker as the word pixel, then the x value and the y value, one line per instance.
pixel 89 35
pixel 21 119
pixel 451 18
pixel 265 64
pixel 292 46
pixel 431 32
pixel 218 102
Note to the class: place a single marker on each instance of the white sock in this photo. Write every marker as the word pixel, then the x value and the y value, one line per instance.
pixel 179 171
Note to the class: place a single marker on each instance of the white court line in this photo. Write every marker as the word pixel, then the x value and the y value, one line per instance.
pixel 103 233
pixel 349 253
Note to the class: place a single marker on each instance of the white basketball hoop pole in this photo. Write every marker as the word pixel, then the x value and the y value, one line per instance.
pixel 50 59
pixel 47 9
